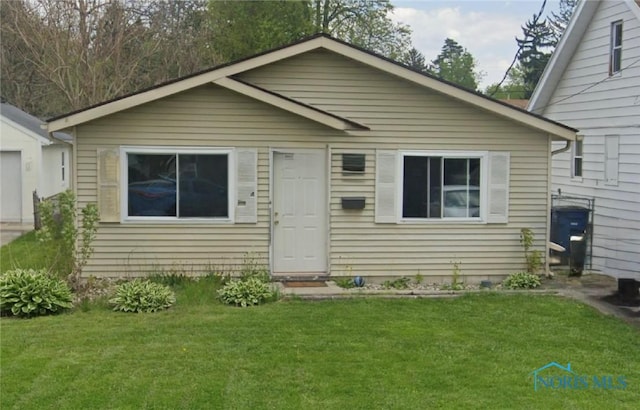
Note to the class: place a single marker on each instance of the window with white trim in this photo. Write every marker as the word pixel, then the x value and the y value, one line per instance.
pixel 615 57
pixel 576 159
pixel 177 183
pixel 62 165
pixel 455 186
pixel 435 186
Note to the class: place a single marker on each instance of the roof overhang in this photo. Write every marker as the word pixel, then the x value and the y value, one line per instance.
pixel 222 77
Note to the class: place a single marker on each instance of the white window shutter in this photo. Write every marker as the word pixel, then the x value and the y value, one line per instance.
pixel 498 202
pixel 386 193
pixel 109 184
pixel 246 186
pixel 611 162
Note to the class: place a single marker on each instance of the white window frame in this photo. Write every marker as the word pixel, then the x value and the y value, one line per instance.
pixel 613 48
pixel 484 185
pixel 124 191
pixel 575 156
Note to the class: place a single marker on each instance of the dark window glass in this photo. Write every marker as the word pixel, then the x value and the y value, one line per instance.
pixel 183 185
pixel 434 187
pixel 615 64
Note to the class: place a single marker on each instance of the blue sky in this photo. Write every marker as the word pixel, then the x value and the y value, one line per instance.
pixel 487 28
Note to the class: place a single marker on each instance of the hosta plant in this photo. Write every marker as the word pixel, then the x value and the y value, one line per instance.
pixel 142 296
pixel 28 293
pixel 521 280
pixel 245 292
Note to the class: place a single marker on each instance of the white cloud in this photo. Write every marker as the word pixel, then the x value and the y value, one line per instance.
pixel 489 37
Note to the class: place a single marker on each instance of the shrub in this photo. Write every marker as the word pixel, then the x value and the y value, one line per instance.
pixel 521 280
pixel 245 292
pixel 28 292
pixel 59 235
pixel 400 283
pixel 142 296
pixel 345 283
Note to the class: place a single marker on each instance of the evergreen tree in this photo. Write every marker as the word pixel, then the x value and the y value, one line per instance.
pixel 535 51
pixel 415 60
pixel 559 21
pixel 456 64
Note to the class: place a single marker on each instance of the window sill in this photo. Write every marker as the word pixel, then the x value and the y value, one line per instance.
pixel 576 179
pixel 442 221
pixel 176 221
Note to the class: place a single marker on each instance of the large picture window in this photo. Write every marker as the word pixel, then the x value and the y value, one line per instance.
pixel 177 184
pixel 441 187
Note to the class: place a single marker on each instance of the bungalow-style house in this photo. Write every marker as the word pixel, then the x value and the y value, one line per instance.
pixel 31 160
pixel 319 159
pixel 592 83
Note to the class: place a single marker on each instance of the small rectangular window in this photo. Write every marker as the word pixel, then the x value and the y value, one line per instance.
pixel 615 59
pixel 576 166
pixel 353 163
pixel 62 166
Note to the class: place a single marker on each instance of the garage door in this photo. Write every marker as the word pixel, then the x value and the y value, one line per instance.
pixel 11 187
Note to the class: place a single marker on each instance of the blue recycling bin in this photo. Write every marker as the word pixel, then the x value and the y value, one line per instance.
pixel 568 221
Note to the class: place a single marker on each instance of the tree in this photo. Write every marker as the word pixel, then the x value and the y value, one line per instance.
pixel 364 23
pixel 559 21
pixel 415 60
pixel 457 65
pixel 243 28
pixel 61 55
pixel 513 88
pixel 534 52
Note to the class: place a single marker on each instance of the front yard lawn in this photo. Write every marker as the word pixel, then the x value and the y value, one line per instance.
pixel 476 351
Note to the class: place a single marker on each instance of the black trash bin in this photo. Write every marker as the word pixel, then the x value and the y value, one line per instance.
pixel 578 249
pixel 568 221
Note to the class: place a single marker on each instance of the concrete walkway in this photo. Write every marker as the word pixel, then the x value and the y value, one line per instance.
pixel 11 230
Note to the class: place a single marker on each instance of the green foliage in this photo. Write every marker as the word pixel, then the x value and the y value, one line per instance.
pixel 559 21
pixel 29 293
pixel 243 28
pixel 533 258
pixel 456 283
pixel 521 280
pixel 345 283
pixel 457 65
pixel 245 292
pixel 399 283
pixel 419 278
pixel 59 235
pixel 252 288
pixel 142 296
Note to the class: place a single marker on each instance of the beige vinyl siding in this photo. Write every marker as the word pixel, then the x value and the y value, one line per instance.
pixel 401 116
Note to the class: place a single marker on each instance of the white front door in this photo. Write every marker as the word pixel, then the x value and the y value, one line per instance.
pixel 299 212
pixel 11 195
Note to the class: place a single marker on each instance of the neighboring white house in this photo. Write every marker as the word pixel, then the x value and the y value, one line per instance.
pixel 592 83
pixel 30 161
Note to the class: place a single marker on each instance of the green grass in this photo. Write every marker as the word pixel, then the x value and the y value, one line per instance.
pixel 475 351
pixel 23 252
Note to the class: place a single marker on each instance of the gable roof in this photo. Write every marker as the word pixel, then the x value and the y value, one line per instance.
pixel 577 27
pixel 224 76
pixel 32 125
